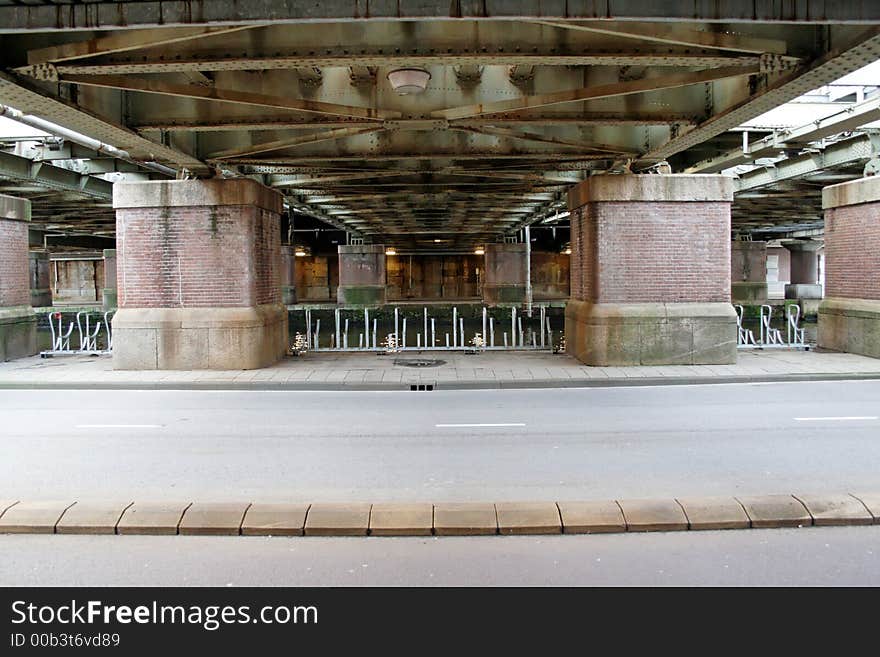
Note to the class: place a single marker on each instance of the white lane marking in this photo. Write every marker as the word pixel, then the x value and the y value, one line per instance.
pixel 118 426
pixel 483 424
pixel 842 418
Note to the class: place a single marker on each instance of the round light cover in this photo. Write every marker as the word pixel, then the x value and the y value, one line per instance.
pixel 409 81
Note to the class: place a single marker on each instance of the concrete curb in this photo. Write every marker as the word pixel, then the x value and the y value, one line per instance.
pixel 524 384
pixel 442 519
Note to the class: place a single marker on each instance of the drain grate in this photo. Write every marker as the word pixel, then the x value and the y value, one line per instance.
pixel 419 387
pixel 419 362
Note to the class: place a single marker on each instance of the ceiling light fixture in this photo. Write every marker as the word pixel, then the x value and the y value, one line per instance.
pixel 409 81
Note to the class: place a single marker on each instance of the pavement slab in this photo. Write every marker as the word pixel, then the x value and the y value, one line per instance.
pixel 528 518
pixel 33 517
pixel 598 517
pixel 872 502
pixel 465 519
pixel 213 519
pixel 776 511
pixel 153 518
pixel 402 519
pixel 274 520
pixel 714 513
pixel 839 509
pixel 91 518
pixel 653 515
pixel 338 520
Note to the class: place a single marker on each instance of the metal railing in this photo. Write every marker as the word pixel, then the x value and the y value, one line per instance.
pixel 427 337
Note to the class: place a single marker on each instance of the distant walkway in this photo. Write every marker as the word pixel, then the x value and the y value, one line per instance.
pixel 323 371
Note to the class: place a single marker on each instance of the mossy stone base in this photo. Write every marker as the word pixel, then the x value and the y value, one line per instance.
pixel 108 296
pixel 361 295
pixel 615 334
pixel 850 325
pixel 748 293
pixel 18 332
pixel 288 295
pixel 493 294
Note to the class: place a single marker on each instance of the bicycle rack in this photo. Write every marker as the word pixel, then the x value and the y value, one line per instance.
pixel 88 335
pixel 769 335
pixel 794 333
pixel 744 337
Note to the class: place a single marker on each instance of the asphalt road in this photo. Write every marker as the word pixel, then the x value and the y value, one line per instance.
pixel 487 445
pixel 766 557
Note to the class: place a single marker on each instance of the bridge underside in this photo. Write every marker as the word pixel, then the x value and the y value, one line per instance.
pixel 506 112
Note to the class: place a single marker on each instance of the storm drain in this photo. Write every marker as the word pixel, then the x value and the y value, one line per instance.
pixel 419 362
pixel 421 387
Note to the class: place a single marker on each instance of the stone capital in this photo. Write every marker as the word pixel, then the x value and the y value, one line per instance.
pixel 651 188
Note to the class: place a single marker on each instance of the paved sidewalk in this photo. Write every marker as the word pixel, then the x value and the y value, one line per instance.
pixel 328 371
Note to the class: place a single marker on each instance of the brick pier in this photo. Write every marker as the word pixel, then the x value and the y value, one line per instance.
pixel 18 328
pixel 198 275
pixel 650 271
pixel 849 317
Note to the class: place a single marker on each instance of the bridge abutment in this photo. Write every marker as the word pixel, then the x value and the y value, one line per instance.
pixel 18 323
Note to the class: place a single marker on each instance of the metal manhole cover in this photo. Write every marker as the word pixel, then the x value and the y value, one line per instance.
pixel 419 362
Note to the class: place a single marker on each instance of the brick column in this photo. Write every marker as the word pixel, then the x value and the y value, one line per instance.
pixel 650 271
pixel 18 323
pixel 505 274
pixel 748 272
pixel 109 294
pixel 849 317
pixel 288 275
pixel 361 274
pixel 198 281
pixel 41 291
pixel 804 270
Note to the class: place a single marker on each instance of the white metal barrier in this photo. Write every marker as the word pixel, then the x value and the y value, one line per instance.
pixel 89 335
pixel 428 338
pixel 770 337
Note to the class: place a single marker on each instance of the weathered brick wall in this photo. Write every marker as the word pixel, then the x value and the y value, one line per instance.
pixel 14 265
pixel 204 256
pixel 852 251
pixel 640 252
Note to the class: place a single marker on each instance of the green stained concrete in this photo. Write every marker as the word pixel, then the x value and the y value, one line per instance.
pixel 18 332
pixel 362 295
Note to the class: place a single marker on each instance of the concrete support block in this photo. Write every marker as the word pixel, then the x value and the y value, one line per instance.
pixel 803 291
pixel 850 325
pixel 746 293
pixel 18 332
pixel 199 338
pixel 606 334
pixel 361 274
pixel 505 275
pixel 748 272
pixel 288 275
pixel 109 294
pixel 599 517
pixel 274 520
pixel 41 291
